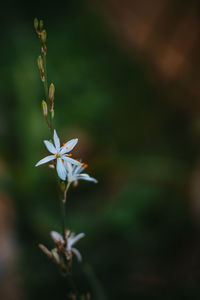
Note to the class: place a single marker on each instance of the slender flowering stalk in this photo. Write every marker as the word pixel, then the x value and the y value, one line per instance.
pixel 69 170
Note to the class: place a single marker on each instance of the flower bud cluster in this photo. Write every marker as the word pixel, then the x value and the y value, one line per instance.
pixel 62 253
pixel 48 103
pixel 42 34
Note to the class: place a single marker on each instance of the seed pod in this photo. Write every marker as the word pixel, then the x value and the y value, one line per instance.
pixel 35 23
pixel 43 36
pixel 51 92
pixel 44 108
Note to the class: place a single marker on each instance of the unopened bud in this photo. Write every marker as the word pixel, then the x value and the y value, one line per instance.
pixel 40 64
pixel 35 23
pixel 41 24
pixel 44 108
pixel 45 250
pixel 43 36
pixel 52 113
pixel 51 92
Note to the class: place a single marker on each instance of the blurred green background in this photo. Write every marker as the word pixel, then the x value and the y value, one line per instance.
pixel 141 219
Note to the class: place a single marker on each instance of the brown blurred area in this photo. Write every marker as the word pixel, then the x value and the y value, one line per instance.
pixel 9 277
pixel 166 34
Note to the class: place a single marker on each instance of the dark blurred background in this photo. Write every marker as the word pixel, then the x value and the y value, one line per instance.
pixel 128 86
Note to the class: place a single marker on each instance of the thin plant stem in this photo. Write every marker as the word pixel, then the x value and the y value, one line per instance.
pixel 63 214
pixel 62 204
pixel 46 89
pixel 65 192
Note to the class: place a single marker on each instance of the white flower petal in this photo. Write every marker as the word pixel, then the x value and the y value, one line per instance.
pixel 85 176
pixel 56 140
pixel 68 146
pixel 71 160
pixel 68 166
pixel 45 160
pixel 77 253
pixel 57 237
pixel 74 240
pixel 62 173
pixel 50 147
pixel 78 169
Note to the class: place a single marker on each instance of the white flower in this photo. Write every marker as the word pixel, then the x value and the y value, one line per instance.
pixel 71 239
pixel 74 173
pixel 62 253
pixel 60 154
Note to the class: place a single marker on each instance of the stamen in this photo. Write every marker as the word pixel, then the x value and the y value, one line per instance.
pixel 84 165
pixel 69 154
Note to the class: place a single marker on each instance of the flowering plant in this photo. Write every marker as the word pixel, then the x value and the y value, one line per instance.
pixel 69 170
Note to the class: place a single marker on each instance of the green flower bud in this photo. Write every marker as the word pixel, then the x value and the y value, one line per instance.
pixel 41 24
pixel 52 113
pixel 43 36
pixel 36 23
pixel 40 64
pixel 44 108
pixel 51 92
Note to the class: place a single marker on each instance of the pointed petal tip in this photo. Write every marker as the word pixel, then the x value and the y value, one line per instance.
pixel 45 160
pixel 57 237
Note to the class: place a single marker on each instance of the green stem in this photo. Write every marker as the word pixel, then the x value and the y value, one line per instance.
pixel 46 89
pixel 63 213
pixel 62 209
pixel 65 192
